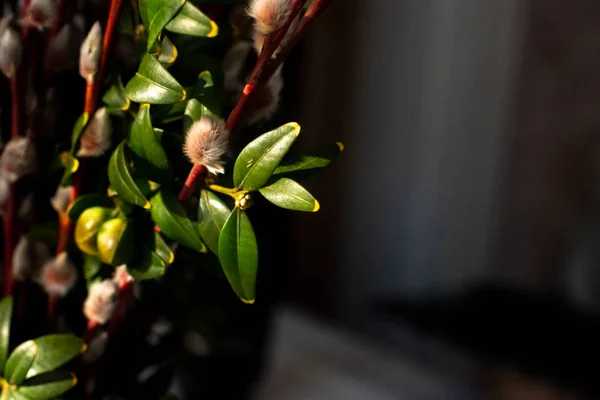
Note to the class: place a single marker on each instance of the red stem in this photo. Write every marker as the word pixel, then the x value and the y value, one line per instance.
pixel 15 92
pixel 190 182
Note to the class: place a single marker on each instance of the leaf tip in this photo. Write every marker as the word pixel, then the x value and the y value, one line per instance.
pixel 174 56
pixel 184 95
pixel 74 379
pixel 340 146
pixel 317 206
pixel 127 104
pixel 84 348
pixel 171 258
pixel 214 29
pixel 294 126
pixel 246 301
pixel 147 206
pixel 145 105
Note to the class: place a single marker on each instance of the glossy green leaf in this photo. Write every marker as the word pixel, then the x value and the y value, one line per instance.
pixel 115 97
pixel 194 110
pixel 149 156
pixel 238 254
pixel 162 249
pixel 153 84
pixel 289 194
pixel 257 161
pixel 170 217
pixel 115 241
pixel 54 351
pixel 147 265
pixel 191 21
pixel 156 14
pixel 19 362
pixel 86 201
pixel 68 160
pixel 78 128
pixel 48 385
pixel 168 52
pixel 91 266
pixel 212 214
pixel 121 180
pixel 6 305
pixel 307 164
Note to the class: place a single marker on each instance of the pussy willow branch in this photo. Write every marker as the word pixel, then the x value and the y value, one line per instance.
pixel 263 70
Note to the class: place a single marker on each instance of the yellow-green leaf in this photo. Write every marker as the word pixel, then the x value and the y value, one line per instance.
pixel 212 214
pixel 47 386
pixel 121 180
pixel 6 305
pixel 257 161
pixel 156 14
pixel 307 164
pixel 289 194
pixel 153 84
pixel 191 21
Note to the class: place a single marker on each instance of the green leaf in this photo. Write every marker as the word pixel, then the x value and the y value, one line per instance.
pixel 68 160
pixel 162 249
pixel 115 97
pixel 194 110
pixel 78 128
pixel 115 241
pixel 307 164
pixel 91 266
pixel 238 254
pixel 289 194
pixel 86 201
pixel 212 214
pixel 170 217
pixel 54 351
pixel 149 155
pixel 153 84
pixel 191 21
pixel 147 265
pixel 168 52
pixel 48 385
pixel 257 161
pixel 19 362
pixel 121 180
pixel 156 14
pixel 6 305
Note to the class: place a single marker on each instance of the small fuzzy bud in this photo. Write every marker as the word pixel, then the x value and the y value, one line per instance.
pixel 206 143
pixel 90 52
pixel 101 301
pixel 62 50
pixel 28 257
pixel 96 138
pixel 121 276
pixel 62 198
pixel 40 13
pixel 58 275
pixel 268 15
pixel 18 159
pixel 267 99
pixel 4 193
pixel 258 37
pixel 10 52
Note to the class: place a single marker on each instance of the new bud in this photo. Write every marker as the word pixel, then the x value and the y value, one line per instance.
pixel 58 275
pixel 233 66
pixel 62 50
pixel 96 138
pixel 101 301
pixel 269 15
pixel 121 277
pixel 62 198
pixel 89 56
pixel 40 13
pixel 18 159
pixel 206 143
pixel 10 52
pixel 28 257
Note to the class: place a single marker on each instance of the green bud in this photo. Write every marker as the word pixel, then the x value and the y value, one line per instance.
pixel 86 229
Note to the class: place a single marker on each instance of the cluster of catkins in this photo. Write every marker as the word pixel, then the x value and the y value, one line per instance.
pixel 206 140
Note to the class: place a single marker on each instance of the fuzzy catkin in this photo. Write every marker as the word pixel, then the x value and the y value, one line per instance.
pixel 268 15
pixel 206 143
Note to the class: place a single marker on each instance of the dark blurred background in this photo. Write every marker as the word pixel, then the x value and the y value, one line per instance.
pixel 457 250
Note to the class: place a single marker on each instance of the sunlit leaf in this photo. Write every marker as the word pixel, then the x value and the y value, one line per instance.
pixel 149 156
pixel 191 21
pixel 86 201
pixel 289 194
pixel 168 52
pixel 121 180
pixel 257 161
pixel 47 385
pixel 212 214
pixel 54 351
pixel 19 362
pixel 153 84
pixel 171 218
pixel 115 98
pixel 156 14
pixel 115 241
pixel 6 305
pixel 163 250
pixel 238 254
pixel 194 110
